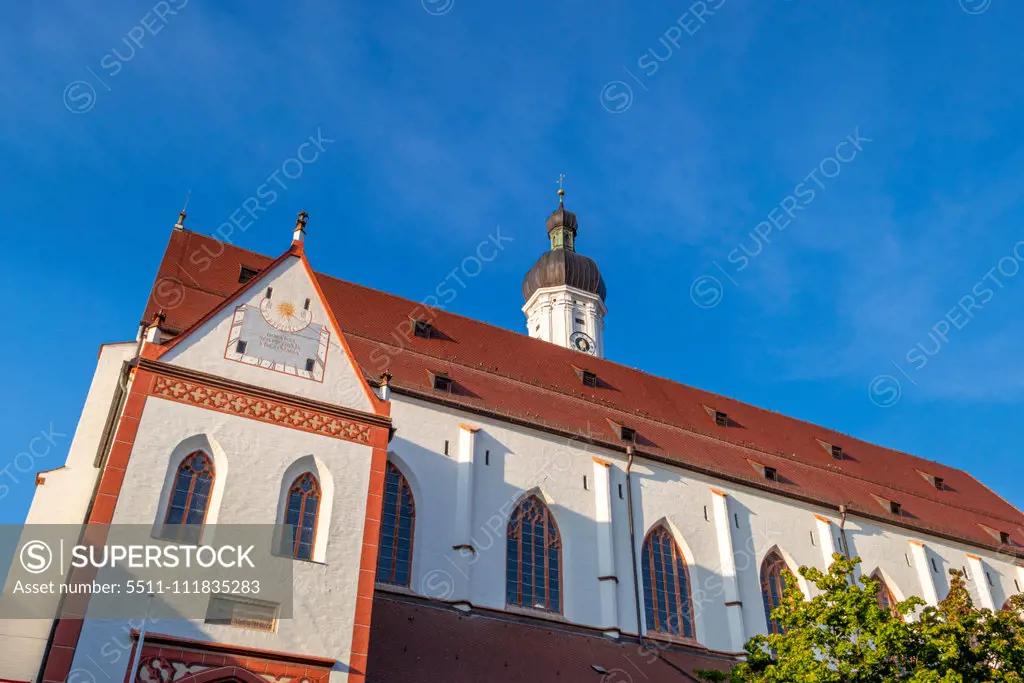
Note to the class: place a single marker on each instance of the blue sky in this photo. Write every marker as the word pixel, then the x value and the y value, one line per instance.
pixel 681 137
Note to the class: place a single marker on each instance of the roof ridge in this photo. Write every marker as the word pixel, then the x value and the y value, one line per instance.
pixel 671 399
pixel 705 435
pixel 660 378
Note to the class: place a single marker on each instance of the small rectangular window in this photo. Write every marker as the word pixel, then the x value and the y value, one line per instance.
pixel 966 575
pixel 988 577
pixel 706 518
pixel 446 446
pixel 837 452
pixel 736 518
pixel 422 329
pixel 812 538
pixel 721 419
pixel 585 483
pixel 442 383
pixel 487 457
pixel 771 474
pixel 907 558
pixel 935 567
pixel 589 379
pixel 270 292
pixel 1004 537
pixel 895 508
pixel 305 306
pixel 620 491
pixel 1016 584
pixel 246 274
pixel 628 434
pixel 310 364
pixel 580 321
pixel 939 484
pixel 240 346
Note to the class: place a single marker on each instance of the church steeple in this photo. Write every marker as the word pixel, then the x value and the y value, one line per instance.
pixel 564 290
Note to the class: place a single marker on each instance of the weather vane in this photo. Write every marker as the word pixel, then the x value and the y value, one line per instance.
pixel 561 190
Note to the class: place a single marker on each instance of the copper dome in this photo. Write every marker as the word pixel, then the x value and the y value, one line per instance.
pixel 564 267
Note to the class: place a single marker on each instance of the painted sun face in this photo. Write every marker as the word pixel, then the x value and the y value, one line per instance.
pixel 285 315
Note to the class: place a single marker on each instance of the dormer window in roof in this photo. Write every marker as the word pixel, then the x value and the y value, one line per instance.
pixel 835 451
pixel 422 329
pixel 721 419
pixel 890 506
pixel 769 473
pixel 627 434
pixel 937 482
pixel 245 274
pixel 588 378
pixel 1002 536
pixel 440 381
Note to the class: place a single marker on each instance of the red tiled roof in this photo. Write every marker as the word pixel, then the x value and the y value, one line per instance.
pixel 513 376
pixel 416 641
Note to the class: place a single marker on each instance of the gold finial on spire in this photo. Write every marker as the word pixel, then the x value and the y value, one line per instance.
pixel 561 190
pixel 300 222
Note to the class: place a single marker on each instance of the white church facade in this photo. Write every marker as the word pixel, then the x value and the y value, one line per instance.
pixel 461 502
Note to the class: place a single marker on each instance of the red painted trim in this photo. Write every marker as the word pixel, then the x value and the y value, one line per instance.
pixel 69 623
pixel 380 407
pixel 368 565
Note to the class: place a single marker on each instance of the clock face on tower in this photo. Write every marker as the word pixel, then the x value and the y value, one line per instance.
pixel 581 341
pixel 279 334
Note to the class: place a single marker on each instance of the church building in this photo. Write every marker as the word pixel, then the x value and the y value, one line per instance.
pixel 458 502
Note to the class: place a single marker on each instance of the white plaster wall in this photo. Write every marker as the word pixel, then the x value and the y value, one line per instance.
pixel 259 456
pixel 64 499
pixel 523 460
pixel 555 310
pixel 204 349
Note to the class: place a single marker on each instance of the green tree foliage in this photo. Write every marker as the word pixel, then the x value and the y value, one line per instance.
pixel 844 635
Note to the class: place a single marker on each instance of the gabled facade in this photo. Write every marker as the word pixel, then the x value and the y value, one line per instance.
pixel 464 485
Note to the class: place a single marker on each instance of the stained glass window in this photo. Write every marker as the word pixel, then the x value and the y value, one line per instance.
pixel 398 519
pixel 534 558
pixel 666 585
pixel 300 517
pixel 772 586
pixel 886 600
pixel 190 498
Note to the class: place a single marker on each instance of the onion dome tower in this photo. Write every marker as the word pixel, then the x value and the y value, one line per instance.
pixel 564 290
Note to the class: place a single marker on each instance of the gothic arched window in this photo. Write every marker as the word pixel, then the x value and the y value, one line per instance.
pixel 190 498
pixel 886 600
pixel 534 560
pixel 300 517
pixel 666 585
pixel 398 519
pixel 772 587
